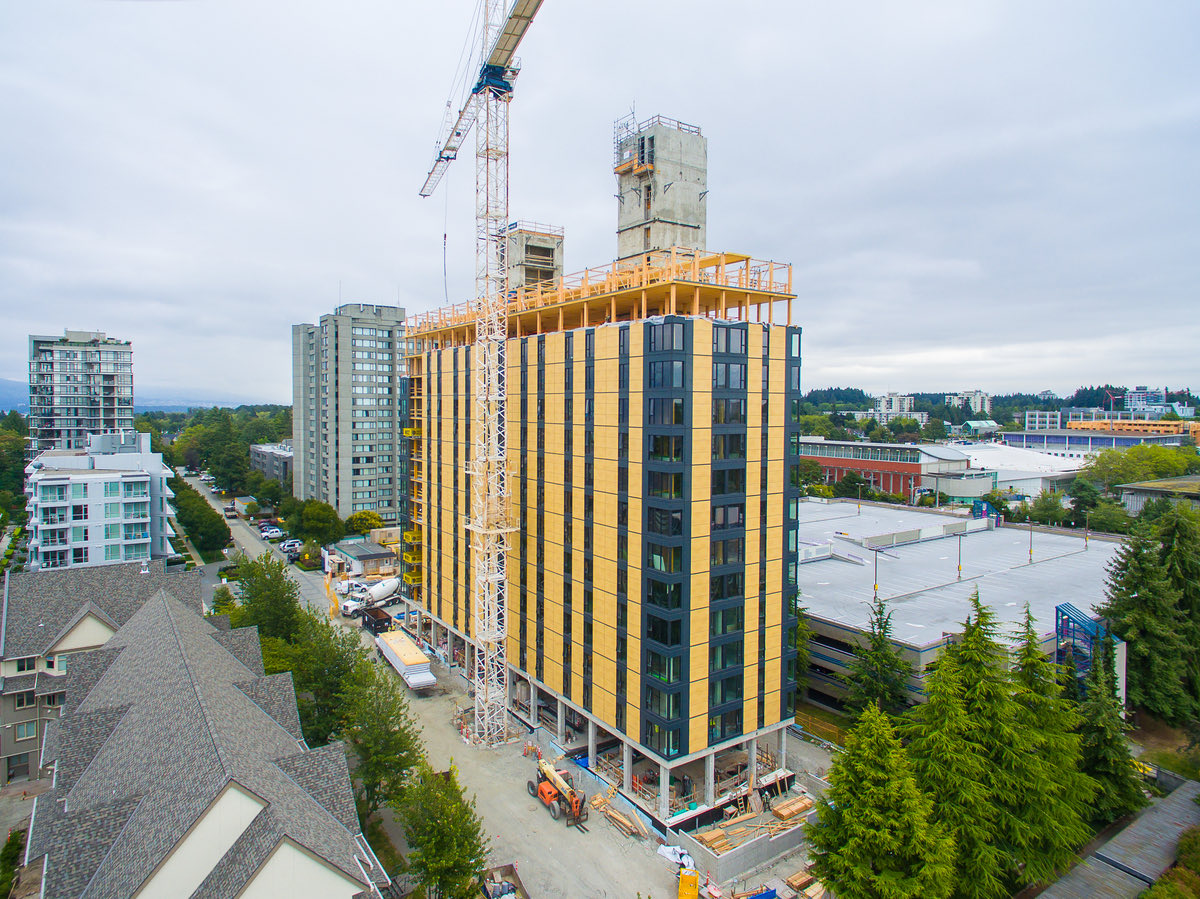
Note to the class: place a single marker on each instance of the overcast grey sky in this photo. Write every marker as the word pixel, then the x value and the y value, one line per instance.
pixel 974 194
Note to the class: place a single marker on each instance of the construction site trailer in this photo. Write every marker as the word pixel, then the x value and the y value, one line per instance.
pixel 403 655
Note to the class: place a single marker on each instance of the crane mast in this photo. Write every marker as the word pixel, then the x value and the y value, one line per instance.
pixel 487 110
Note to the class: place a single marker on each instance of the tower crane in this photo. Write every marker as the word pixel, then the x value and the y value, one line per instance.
pixel 486 109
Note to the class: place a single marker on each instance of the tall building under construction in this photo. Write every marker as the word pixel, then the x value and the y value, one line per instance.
pixel 652 424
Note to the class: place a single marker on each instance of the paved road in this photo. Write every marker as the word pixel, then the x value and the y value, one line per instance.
pixel 247 540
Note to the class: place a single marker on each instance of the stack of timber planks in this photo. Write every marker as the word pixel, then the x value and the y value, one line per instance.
pixel 787 809
pixel 631 827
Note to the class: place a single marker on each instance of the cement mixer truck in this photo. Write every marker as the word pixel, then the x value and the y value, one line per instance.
pixel 375 596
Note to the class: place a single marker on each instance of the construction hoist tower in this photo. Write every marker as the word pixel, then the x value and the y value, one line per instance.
pixel 487 109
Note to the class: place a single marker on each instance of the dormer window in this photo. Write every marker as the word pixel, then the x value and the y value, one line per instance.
pixel 29 663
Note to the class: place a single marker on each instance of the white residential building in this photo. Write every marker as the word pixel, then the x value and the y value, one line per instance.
pixel 979 402
pixel 893 406
pixel 106 503
pixel 79 384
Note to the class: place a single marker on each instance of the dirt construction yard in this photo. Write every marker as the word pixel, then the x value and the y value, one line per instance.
pixel 553 859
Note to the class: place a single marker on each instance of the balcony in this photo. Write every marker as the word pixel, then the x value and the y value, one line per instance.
pixel 136 536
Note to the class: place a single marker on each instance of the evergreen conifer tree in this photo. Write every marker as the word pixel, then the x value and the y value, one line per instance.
pixel 878 675
pixel 987 689
pixel 875 839
pixel 1144 609
pixel 952 770
pixel 1057 795
pixel 1179 534
pixel 1105 751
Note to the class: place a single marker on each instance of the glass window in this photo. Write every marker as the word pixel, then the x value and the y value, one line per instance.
pixel 29 663
pixel 112 488
pixel 79 491
pixel 26 730
pixel 112 510
pixel 25 699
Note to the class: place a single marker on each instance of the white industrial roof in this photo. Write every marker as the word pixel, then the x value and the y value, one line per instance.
pixel 920 580
pixel 1001 457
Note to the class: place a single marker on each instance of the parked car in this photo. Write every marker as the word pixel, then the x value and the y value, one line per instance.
pixel 347 587
pixel 293 557
pixel 272 534
pixel 290 545
pixel 229 513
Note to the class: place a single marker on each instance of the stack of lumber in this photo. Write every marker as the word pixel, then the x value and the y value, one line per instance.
pixel 602 799
pixel 714 840
pixel 800 880
pixel 631 827
pixel 815 891
pixel 787 809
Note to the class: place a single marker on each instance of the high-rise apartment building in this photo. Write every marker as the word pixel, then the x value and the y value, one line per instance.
pixel 79 384
pixel 652 427
pixel 103 504
pixel 976 400
pixel 345 412
pixel 662 185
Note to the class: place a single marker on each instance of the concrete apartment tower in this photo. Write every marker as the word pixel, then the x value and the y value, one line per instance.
pixel 346 414
pixel 79 384
pixel 662 185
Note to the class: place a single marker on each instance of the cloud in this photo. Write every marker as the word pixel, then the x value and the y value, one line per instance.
pixel 994 194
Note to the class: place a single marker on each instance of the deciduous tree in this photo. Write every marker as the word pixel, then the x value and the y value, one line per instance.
pixel 329 657
pixel 446 836
pixel 379 728
pixel 269 597
pixel 876 839
pixel 363 522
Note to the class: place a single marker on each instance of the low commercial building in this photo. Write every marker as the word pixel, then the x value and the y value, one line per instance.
pixel 979 427
pixel 1041 420
pixel 358 557
pixel 102 504
pixel 46 620
pixel 926 565
pixel 1136 426
pixel 888 467
pixel 1021 472
pixel 180 769
pixel 273 460
pixel 1070 443
pixel 1178 490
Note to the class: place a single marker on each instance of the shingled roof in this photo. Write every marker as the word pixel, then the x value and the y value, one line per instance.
pixel 41 606
pixel 173 714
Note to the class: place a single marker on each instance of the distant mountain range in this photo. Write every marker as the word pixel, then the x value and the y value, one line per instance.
pixel 15 395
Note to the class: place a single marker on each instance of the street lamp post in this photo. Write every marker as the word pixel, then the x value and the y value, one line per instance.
pixel 1087 526
pixel 960 557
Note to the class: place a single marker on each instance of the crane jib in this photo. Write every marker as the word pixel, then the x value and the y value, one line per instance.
pixel 493 78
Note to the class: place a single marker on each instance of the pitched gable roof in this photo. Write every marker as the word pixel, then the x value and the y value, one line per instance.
pixel 172 718
pixel 39 605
